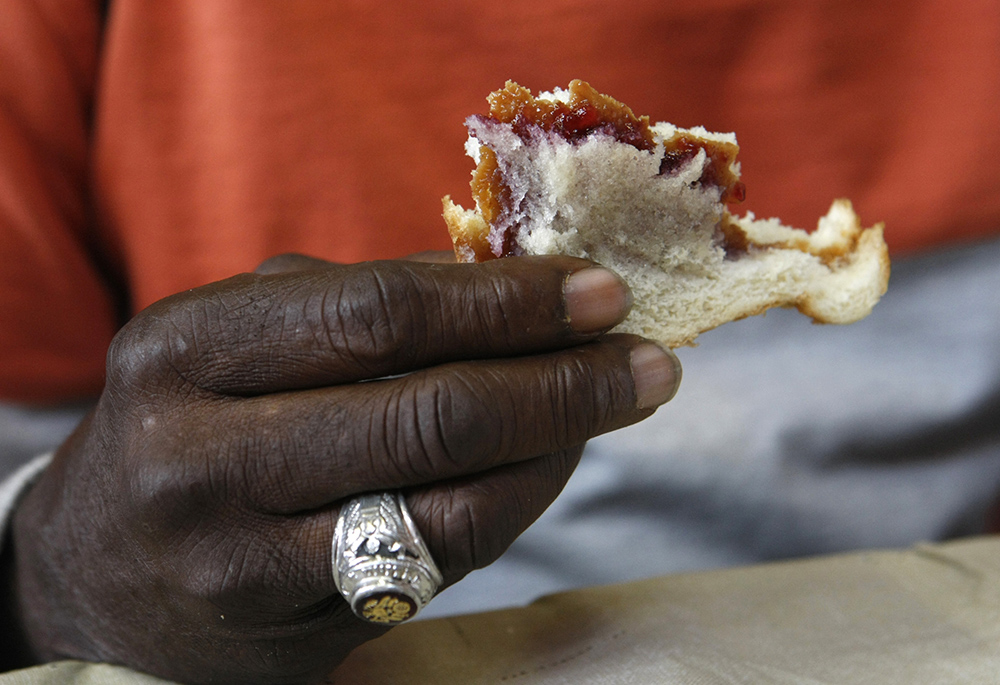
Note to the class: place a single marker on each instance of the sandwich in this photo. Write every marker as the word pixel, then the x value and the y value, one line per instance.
pixel 575 172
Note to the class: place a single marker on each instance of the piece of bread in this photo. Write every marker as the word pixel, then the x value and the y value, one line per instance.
pixel 575 172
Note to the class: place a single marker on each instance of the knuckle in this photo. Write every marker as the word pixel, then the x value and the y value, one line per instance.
pixel 448 422
pixel 377 313
pixel 572 387
pixel 172 492
pixel 472 523
pixel 182 471
pixel 589 395
pixel 272 466
pixel 491 300
pixel 185 511
pixel 230 571
pixel 465 538
pixel 168 343
pixel 139 354
pixel 477 550
pixel 201 338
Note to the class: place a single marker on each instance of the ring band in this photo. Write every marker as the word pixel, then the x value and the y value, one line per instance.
pixel 381 565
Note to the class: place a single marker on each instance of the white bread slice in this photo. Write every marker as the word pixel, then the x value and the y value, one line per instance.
pixel 664 228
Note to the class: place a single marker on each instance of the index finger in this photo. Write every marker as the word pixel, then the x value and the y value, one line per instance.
pixel 255 334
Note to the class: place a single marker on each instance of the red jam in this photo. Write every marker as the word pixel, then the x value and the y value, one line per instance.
pixel 681 149
pixel 587 112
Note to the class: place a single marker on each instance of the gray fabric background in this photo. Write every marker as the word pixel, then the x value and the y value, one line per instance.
pixel 27 432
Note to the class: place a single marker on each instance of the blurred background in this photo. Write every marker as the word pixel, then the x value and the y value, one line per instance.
pixel 149 148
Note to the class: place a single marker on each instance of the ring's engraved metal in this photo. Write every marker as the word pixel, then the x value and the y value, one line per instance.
pixel 381 565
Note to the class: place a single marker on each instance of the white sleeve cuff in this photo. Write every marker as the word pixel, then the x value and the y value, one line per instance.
pixel 14 486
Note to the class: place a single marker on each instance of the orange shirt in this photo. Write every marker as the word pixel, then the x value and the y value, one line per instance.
pixel 182 142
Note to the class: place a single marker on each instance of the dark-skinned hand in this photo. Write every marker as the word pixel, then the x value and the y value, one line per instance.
pixel 184 529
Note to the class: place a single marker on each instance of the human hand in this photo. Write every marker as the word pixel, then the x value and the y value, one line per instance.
pixel 184 529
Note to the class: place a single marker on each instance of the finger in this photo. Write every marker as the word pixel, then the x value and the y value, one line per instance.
pixel 290 263
pixel 305 450
pixel 432 257
pixel 339 324
pixel 467 524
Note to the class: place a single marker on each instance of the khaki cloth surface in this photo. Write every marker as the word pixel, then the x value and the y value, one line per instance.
pixel 930 614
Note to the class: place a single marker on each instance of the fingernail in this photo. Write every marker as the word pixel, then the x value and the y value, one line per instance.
pixel 596 299
pixel 656 373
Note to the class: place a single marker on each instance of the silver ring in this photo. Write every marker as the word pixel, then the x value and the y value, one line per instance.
pixel 381 565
